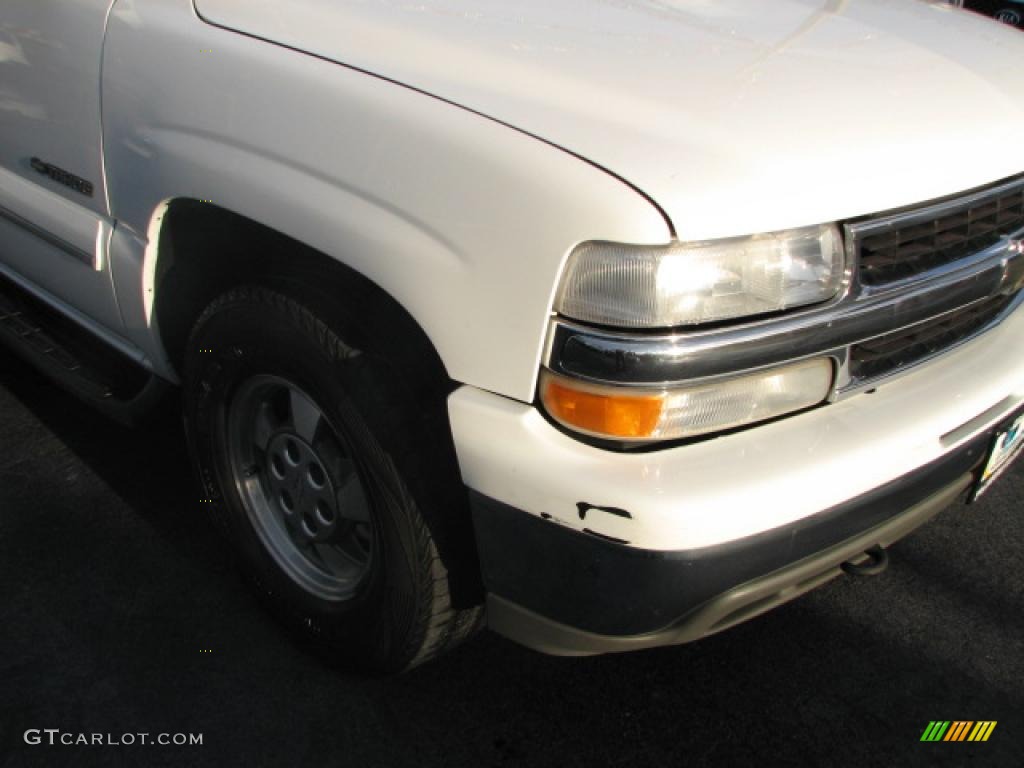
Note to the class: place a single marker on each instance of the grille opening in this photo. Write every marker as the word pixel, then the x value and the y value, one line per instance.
pixel 907 250
pixel 886 354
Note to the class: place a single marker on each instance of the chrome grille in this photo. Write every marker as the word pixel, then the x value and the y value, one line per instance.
pixel 941 250
pixel 884 355
pixel 905 247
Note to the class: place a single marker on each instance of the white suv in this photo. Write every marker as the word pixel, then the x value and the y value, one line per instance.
pixel 622 321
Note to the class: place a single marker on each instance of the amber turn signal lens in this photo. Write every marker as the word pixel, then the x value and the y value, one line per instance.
pixel 687 409
pixel 600 412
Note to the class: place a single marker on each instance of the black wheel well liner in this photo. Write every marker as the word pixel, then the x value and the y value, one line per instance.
pixel 205 250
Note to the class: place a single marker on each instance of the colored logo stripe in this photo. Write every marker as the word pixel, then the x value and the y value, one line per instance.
pixel 982 730
pixel 958 730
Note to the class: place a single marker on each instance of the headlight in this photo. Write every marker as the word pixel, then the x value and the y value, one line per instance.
pixel 631 286
pixel 672 413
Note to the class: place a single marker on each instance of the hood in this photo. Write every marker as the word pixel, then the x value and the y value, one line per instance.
pixel 735 116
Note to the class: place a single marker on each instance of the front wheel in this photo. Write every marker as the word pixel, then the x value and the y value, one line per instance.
pixel 299 481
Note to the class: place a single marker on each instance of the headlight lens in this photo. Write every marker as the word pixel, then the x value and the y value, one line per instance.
pixel 632 286
pixel 621 413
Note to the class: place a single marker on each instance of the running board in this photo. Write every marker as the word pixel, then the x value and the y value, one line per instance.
pixel 76 359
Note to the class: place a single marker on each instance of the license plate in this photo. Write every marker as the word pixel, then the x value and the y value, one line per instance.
pixel 1006 446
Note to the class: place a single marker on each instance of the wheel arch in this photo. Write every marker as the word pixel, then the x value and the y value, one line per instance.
pixel 198 250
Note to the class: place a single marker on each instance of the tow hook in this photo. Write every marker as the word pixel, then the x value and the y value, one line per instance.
pixel 878 561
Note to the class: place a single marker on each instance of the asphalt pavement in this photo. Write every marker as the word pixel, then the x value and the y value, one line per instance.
pixel 121 614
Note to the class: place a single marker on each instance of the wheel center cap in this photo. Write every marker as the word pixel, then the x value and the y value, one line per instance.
pixel 301 489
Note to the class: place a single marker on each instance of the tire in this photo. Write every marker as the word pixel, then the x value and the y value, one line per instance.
pixel 295 437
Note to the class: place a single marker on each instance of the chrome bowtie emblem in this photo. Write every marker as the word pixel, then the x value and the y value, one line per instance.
pixel 1016 246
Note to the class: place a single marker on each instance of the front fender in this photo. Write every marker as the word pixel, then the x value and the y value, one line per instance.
pixel 464 221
